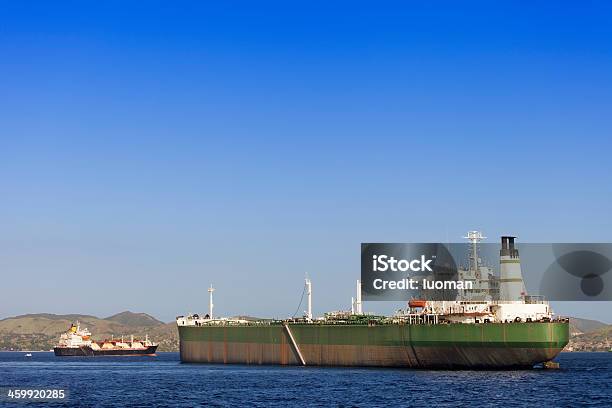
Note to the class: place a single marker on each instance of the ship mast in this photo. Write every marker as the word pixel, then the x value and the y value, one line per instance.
pixel 358 307
pixel 309 293
pixel 210 301
pixel 474 237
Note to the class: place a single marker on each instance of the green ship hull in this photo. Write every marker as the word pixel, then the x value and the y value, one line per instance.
pixel 451 346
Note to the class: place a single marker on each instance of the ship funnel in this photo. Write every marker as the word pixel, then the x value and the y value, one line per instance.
pixel 511 285
pixel 508 248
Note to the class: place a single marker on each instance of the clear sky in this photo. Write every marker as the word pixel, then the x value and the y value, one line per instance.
pixel 149 149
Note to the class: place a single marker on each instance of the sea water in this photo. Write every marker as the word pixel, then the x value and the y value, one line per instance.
pixel 584 379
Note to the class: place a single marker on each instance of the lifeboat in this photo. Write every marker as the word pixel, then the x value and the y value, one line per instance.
pixel 417 303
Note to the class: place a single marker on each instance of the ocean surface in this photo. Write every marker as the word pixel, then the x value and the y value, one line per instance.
pixel 584 379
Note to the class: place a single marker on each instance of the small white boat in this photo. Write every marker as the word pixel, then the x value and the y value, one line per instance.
pixel 28 355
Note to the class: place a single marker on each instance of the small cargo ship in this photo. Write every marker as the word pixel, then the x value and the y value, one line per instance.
pixel 78 342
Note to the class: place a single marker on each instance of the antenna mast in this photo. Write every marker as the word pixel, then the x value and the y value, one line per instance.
pixel 474 237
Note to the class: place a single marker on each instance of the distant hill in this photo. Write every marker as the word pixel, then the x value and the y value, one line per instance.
pixel 135 319
pixel 41 331
pixel 597 340
pixel 581 326
pixel 52 316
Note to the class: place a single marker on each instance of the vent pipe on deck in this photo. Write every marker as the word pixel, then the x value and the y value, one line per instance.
pixel 210 301
pixel 309 293
pixel 358 307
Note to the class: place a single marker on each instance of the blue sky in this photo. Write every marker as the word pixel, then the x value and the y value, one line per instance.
pixel 149 149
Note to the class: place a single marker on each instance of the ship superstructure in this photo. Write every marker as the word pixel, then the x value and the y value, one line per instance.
pixel 482 304
pixel 474 331
pixel 78 342
pixel 485 283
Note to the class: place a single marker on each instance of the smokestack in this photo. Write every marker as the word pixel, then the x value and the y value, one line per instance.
pixel 511 285
pixel 508 248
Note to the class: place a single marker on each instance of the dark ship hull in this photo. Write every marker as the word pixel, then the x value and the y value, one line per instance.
pixel 86 351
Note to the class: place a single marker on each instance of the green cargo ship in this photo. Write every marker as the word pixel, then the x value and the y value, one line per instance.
pixel 463 334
